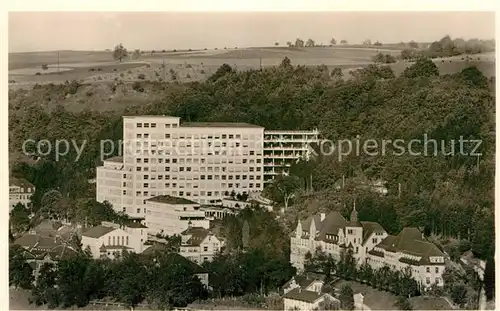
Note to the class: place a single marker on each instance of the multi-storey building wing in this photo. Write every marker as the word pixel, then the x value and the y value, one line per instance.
pixel 410 249
pixel 283 148
pixel 202 162
pixel 370 243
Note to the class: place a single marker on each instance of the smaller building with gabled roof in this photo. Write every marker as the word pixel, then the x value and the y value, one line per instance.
pixel 199 244
pixel 307 292
pixel 20 191
pixel 110 240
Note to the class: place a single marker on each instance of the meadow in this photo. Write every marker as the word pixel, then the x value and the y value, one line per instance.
pixel 25 69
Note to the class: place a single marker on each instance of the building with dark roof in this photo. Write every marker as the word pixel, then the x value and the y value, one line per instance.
pixel 306 292
pixel 369 243
pixel 199 244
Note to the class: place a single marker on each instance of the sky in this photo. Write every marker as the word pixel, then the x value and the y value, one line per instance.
pixel 46 31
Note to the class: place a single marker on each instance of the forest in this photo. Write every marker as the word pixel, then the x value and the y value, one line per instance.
pixel 451 197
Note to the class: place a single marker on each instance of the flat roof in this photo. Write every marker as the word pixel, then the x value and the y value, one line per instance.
pixel 167 199
pixel 116 159
pixel 150 116
pixel 220 124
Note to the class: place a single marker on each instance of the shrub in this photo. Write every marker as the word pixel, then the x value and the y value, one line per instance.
pixel 205 49
pixel 189 66
pixel 99 78
pixel 188 76
pixel 129 72
pixel 202 72
pixel 160 79
pixel 157 74
pixel 89 93
pixel 136 86
pixel 148 66
pixel 163 51
pixel 141 76
pixel 99 69
pixel 114 69
pixel 116 78
pixel 38 74
pixel 91 69
pixel 190 50
pixel 45 66
pixel 122 75
pixel 174 50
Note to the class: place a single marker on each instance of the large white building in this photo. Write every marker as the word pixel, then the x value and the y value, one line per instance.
pixel 282 148
pixel 20 191
pixel 201 162
pixel 370 243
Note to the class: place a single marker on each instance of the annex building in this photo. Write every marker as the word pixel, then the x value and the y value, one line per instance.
pixel 370 243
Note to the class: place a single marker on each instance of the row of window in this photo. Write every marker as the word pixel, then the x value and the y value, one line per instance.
pixel 199 137
pixel 182 193
pixel 202 169
pixel 153 125
pixel 196 161
pixel 116 240
pixel 205 177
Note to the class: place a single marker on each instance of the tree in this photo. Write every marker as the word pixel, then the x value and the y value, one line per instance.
pixel 276 43
pixel 45 66
pixel 245 235
pixel 403 303
pixel 377 43
pixel 120 52
pixel 344 42
pixel 286 63
pixel 367 42
pixel 346 297
pixel 459 294
pixel 137 54
pixel 289 43
pixel 333 41
pixel 50 204
pixel 222 71
pixel 299 43
pixel 423 67
pixel 19 218
pixel 412 44
pixel 310 43
pixel 20 272
pixel 337 73
pixel 283 188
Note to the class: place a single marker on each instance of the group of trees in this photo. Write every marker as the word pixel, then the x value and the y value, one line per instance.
pixel 310 43
pixel 397 282
pixel 447 47
pixel 384 58
pixel 160 280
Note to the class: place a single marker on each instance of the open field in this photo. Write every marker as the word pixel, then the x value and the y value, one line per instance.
pixel 98 66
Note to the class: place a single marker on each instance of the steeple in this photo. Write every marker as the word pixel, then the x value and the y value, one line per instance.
pixel 354 213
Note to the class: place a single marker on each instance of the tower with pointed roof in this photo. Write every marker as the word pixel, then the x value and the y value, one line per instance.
pixel 354 232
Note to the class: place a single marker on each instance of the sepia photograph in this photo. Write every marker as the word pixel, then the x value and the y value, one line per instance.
pixel 258 160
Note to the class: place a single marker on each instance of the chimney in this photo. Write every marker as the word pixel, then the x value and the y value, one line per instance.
pixel 323 216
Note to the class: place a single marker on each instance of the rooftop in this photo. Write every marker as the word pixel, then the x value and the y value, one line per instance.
pixel 116 159
pixel 198 234
pixel 411 242
pixel 20 182
pixel 98 231
pixel 170 200
pixel 149 116
pixel 303 295
pixel 220 124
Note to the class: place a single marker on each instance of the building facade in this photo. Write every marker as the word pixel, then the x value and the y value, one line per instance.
pixel 202 162
pixel 110 240
pixel 198 244
pixel 169 215
pixel 282 148
pixel 306 292
pixel 20 191
pixel 370 243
